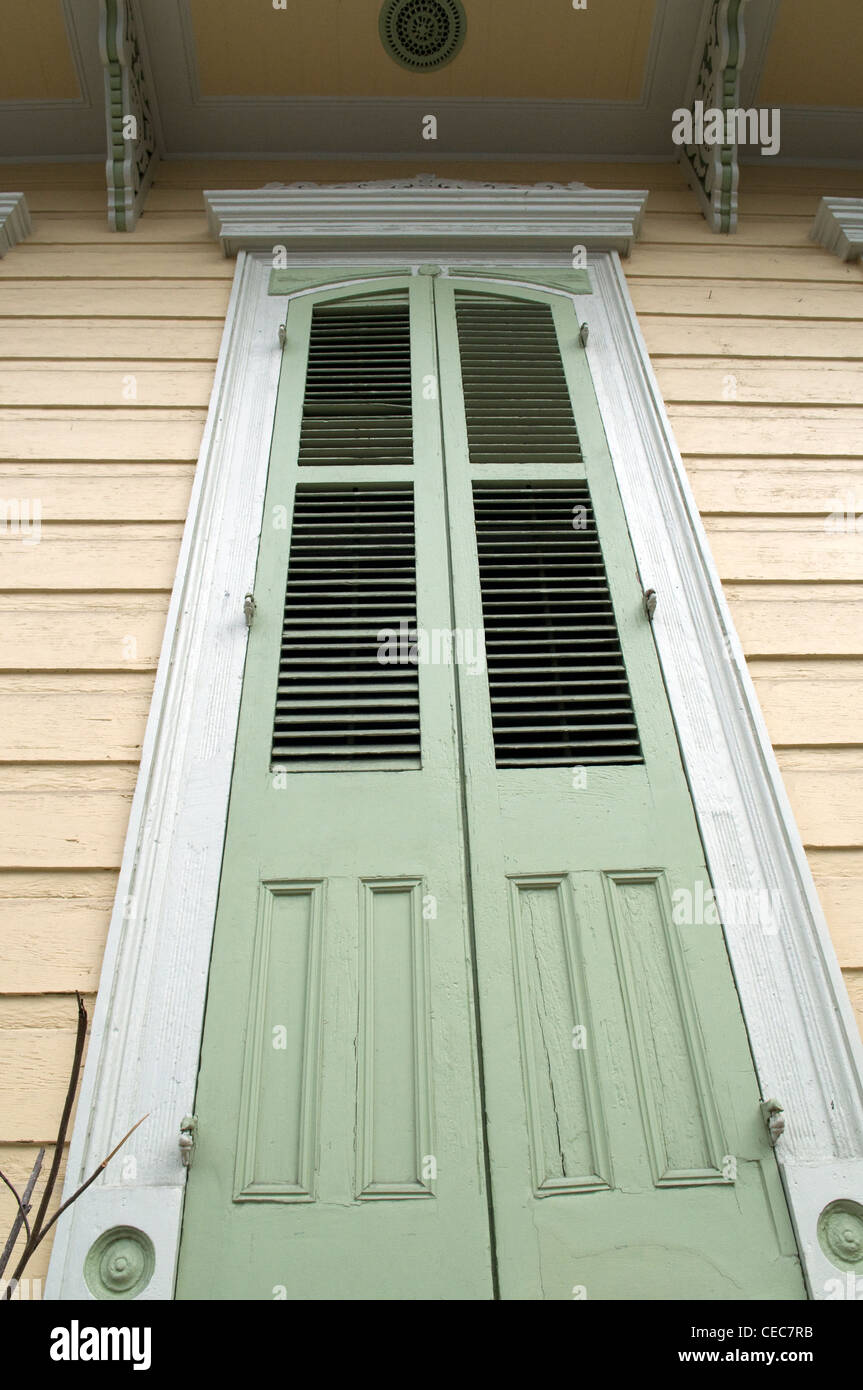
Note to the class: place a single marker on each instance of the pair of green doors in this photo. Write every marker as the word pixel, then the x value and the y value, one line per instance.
pixel 460 1042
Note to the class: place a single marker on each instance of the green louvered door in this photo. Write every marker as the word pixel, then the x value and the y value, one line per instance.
pixel 340 1145
pixel 445 945
pixel 628 1157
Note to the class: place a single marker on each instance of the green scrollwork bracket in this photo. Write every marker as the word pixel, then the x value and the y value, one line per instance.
pixel 129 113
pixel 711 165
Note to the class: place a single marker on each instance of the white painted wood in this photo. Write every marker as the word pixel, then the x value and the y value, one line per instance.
pixel 14 220
pixel 144 1047
pixel 377 127
pixel 424 212
pixel 144 1050
pixel 838 226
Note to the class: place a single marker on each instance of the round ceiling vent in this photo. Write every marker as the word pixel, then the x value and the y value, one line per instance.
pixel 422 34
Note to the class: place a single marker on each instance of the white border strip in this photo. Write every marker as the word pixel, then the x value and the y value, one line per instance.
pixel 145 1043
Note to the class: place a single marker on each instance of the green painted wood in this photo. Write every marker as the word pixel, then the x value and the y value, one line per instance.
pixel 401 951
pixel 289 279
pixel 619 1088
pixel 292 278
pixel 342 1157
pixel 575 281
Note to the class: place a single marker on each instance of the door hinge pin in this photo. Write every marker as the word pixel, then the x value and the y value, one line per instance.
pixel 583 334
pixel 650 603
pixel 283 335
pixel 188 1136
pixel 249 609
pixel 773 1115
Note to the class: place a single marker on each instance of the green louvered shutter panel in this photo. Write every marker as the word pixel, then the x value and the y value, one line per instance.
pixel 557 677
pixel 357 401
pixel 351 572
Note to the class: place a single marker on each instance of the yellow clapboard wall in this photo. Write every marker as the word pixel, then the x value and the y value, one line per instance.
pixel 108 345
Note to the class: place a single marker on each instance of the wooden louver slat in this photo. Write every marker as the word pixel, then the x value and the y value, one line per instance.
pixel 516 399
pixel 351 572
pixel 357 403
pixel 557 678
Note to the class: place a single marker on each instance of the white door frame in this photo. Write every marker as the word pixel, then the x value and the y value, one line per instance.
pixel 145 1042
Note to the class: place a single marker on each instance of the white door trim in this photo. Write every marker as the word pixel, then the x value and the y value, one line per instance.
pixel 145 1043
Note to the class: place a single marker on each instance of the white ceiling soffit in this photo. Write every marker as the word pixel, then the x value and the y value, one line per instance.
pixel 816 135
pixel 194 125
pixel 70 129
pixel 321 126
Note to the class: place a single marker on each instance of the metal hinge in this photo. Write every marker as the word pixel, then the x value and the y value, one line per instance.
pixel 188 1137
pixel 583 334
pixel 773 1116
pixel 249 609
pixel 650 603
pixel 283 335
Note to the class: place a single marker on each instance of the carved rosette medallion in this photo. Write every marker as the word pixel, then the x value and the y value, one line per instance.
pixel 120 1263
pixel 840 1233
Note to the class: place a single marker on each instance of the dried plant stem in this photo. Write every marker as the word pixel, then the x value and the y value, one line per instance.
pixel 23 1209
pixel 41 1227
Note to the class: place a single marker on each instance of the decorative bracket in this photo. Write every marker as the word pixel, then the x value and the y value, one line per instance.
pixel 712 169
pixel 130 112
pixel 14 220
pixel 838 226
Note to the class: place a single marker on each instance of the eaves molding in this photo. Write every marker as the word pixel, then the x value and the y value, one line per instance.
pixel 838 227
pixel 14 220
pixel 425 212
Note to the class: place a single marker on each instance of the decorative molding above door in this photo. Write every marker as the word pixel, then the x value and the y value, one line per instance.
pixel 14 220
pixel 838 227
pixel 426 212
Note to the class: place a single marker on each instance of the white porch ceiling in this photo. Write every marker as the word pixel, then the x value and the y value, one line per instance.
pixel 197 121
